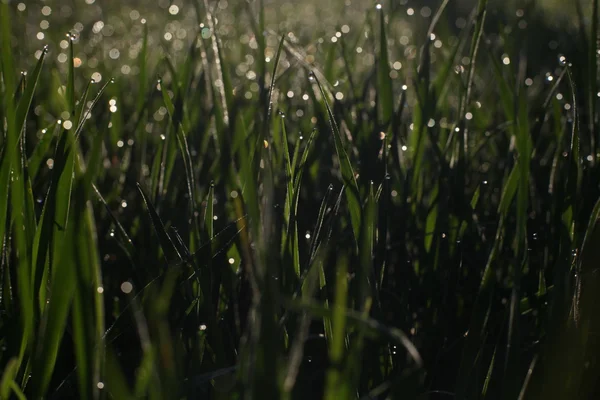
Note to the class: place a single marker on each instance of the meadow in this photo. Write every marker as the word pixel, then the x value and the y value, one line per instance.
pixel 299 200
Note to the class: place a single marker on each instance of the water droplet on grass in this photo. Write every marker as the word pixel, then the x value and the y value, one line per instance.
pixel 562 60
pixel 205 33
pixel 126 287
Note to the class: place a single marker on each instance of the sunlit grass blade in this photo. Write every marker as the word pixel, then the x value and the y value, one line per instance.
pixel 57 233
pixel 348 175
pixel 27 96
pixel 385 83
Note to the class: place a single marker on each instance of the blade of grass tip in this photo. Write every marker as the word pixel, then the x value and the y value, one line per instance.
pixel 81 103
pixel 168 246
pixel 316 236
pixel 300 172
pixel 226 89
pixel 143 68
pixel 126 242
pixel 506 94
pixel 269 105
pixel 27 96
pixel 23 105
pixel 348 176
pixel 10 372
pixel 477 34
pixel 385 96
pixel 89 110
pixel 71 79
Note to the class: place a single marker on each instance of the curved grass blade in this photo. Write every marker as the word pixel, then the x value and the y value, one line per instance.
pixel 372 327
pixel 348 176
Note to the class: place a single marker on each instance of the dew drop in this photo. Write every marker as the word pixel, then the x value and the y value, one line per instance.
pixel 562 60
pixel 126 287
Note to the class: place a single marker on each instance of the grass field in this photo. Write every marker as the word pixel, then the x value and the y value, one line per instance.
pixel 275 199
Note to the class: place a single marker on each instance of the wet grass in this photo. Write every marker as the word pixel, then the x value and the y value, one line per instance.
pixel 387 210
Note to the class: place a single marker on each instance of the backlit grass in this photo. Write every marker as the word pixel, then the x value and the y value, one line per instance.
pixel 231 199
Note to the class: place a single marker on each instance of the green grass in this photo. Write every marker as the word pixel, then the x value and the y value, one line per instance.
pixel 253 203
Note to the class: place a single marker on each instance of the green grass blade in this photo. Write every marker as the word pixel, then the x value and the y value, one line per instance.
pixel 336 386
pixel 365 277
pixel 348 176
pixel 168 246
pixel 385 84
pixel 56 227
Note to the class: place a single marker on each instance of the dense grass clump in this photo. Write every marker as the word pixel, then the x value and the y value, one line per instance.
pixel 213 199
